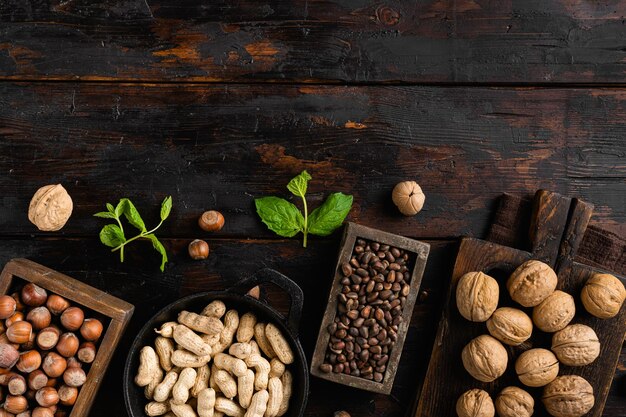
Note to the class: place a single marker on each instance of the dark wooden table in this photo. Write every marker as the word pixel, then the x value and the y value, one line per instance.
pixel 217 102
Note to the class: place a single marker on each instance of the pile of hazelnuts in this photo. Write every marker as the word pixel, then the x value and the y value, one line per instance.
pixel 44 343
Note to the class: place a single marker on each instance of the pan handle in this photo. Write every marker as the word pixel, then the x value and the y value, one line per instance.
pixel 272 276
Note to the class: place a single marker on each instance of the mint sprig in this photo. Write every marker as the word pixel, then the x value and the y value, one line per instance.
pixel 112 235
pixel 284 218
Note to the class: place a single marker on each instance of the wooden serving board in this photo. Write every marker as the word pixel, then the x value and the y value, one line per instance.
pixel 557 227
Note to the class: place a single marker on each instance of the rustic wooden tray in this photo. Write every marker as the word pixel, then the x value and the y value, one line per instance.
pixel 117 311
pixel 352 232
pixel 557 227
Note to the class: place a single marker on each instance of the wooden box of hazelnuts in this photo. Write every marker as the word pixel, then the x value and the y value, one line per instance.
pixel 57 337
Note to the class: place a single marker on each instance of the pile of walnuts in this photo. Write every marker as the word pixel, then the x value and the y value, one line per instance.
pixel 533 284
pixel 216 363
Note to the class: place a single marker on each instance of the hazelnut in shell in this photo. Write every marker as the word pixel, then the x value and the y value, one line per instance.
pixel 43 412
pixel 74 377
pixel 555 312
pixel 408 197
pixel 20 332
pixel 475 403
pixel 603 295
pixel 72 318
pixel 67 395
pixel 48 338
pixel 15 404
pixel 510 326
pixel 47 397
pixel 67 345
pixel 29 361
pixel 91 329
pixel 485 358
pixel 477 296
pixel 198 249
pixel 33 295
pixel 54 365
pixel 39 317
pixel 568 396
pixel 57 304
pixel 8 356
pixel 86 352
pixel 211 221
pixel 576 345
pixel 7 306
pixel 514 402
pixel 17 316
pixel 537 367
pixel 531 283
pixel 50 208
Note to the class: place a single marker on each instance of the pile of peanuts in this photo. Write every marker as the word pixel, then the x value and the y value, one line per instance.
pixel 44 343
pixel 188 373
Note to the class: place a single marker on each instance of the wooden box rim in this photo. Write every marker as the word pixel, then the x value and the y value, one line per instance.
pixel 118 311
pixel 352 232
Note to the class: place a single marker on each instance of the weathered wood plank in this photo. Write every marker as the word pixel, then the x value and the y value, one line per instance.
pixel 138 281
pixel 221 146
pixel 520 41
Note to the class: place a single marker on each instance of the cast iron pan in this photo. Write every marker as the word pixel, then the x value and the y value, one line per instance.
pixel 235 298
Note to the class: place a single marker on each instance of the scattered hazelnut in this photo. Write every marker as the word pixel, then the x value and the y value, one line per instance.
pixel 514 402
pixel 408 197
pixel 72 318
pixel 20 332
pixel 555 312
pixel 29 361
pixel 485 358
pixel 477 296
pixel 39 317
pixel 7 306
pixel 603 295
pixel 211 221
pixel 91 329
pixel 537 367
pixel 54 365
pixel 8 356
pixel 510 326
pixel 74 377
pixel 57 304
pixel 576 345
pixel 568 396
pixel 50 208
pixel 475 403
pixel 67 345
pixel 33 295
pixel 531 283
pixel 198 249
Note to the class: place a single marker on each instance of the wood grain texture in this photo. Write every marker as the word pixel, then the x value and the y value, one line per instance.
pixel 502 41
pixel 221 146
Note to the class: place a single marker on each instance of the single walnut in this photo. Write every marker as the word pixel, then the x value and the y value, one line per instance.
pixel 475 403
pixel 537 367
pixel 603 295
pixel 531 283
pixel 485 358
pixel 477 296
pixel 408 197
pixel 514 402
pixel 555 312
pixel 510 326
pixel 576 345
pixel 568 396
pixel 50 208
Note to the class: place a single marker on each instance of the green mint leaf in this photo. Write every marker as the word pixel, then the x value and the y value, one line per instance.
pixel 110 208
pixel 105 215
pixel 298 184
pixel 158 246
pixel 330 215
pixel 132 215
pixel 112 236
pixel 280 216
pixel 166 207
pixel 119 209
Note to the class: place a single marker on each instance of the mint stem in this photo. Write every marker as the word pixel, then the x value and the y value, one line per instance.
pixel 306 221
pixel 139 236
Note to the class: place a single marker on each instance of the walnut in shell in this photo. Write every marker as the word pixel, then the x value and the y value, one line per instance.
pixel 603 295
pixel 576 345
pixel 555 312
pixel 568 396
pixel 485 358
pixel 531 283
pixel 477 296
pixel 514 402
pixel 50 208
pixel 475 403
pixel 537 367
pixel 510 326
pixel 408 197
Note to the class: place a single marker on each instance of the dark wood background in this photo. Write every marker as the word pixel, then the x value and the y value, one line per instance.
pixel 218 102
